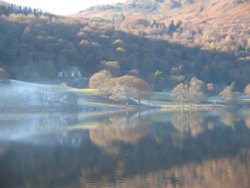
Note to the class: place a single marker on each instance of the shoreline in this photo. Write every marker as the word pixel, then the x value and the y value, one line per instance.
pixel 193 107
pixel 88 100
pixel 94 106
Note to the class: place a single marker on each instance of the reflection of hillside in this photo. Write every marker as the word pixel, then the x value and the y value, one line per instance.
pixel 186 122
pixel 214 173
pixel 145 154
pixel 117 129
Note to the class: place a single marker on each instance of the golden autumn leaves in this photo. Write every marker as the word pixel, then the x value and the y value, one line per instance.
pixel 121 88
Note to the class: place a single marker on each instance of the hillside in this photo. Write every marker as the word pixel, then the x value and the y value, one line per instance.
pixel 164 45
pixel 210 23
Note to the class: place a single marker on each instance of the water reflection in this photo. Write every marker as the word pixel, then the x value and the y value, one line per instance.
pixel 161 149
pixel 116 130
pixel 247 121
pixel 188 122
pixel 228 118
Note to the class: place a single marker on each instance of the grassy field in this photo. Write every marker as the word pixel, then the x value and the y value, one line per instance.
pixel 91 99
pixel 161 99
pixel 245 100
pixel 164 96
pixel 85 91
pixel 158 99
pixel 164 100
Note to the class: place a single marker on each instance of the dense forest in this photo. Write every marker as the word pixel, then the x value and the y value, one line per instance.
pixel 36 46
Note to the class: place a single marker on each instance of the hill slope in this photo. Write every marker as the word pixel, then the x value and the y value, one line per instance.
pixel 189 22
pixel 137 40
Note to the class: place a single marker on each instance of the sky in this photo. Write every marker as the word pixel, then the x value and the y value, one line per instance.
pixel 62 7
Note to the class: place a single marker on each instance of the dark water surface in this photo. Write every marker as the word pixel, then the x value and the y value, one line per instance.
pixel 147 149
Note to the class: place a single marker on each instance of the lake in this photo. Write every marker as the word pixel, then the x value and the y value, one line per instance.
pixel 126 149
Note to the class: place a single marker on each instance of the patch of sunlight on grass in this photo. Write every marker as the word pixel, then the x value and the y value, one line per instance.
pixel 245 101
pixel 85 91
pixel 88 126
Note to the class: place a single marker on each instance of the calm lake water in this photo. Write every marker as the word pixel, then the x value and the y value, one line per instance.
pixel 147 149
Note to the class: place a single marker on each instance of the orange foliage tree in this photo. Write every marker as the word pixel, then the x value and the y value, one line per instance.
pixel 130 87
pixel 247 90
pixel 122 88
pixel 100 81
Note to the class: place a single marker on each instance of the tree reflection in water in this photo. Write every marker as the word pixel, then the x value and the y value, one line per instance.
pixel 181 149
pixel 247 121
pixel 212 173
pixel 228 118
pixel 116 130
pixel 188 122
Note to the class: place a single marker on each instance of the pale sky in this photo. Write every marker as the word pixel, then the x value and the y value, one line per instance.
pixel 62 7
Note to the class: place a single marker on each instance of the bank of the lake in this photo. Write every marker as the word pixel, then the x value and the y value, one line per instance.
pixel 22 96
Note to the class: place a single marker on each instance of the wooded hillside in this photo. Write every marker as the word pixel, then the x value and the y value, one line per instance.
pixel 36 46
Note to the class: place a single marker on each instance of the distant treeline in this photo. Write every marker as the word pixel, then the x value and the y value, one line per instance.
pixel 9 8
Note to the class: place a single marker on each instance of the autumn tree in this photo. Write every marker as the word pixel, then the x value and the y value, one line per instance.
pixel 195 90
pixel 227 95
pixel 127 87
pixel 121 88
pixel 247 90
pixel 100 81
pixel 139 89
pixel 191 92
pixel 180 93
